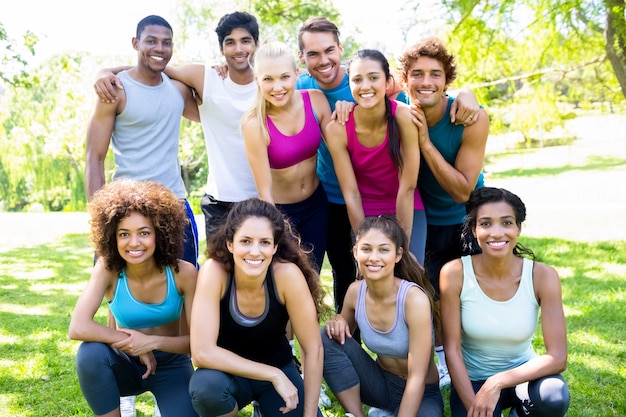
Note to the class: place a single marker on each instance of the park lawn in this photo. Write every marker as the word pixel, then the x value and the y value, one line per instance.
pixel 39 286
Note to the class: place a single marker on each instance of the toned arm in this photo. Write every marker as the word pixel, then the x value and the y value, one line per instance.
pixel 98 139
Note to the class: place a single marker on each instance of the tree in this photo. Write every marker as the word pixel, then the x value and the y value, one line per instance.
pixel 615 34
pixel 42 151
pixel 13 68
pixel 535 63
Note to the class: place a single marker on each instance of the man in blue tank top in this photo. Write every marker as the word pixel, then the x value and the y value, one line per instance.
pixel 452 157
pixel 320 50
pixel 143 124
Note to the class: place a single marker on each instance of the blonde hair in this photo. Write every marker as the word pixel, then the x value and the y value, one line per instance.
pixel 268 51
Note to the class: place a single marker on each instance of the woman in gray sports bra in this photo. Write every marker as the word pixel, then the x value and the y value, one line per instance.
pixel 392 306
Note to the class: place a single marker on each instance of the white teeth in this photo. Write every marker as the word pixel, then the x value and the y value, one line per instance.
pixel 368 95
pixel 325 70
pixel 254 261
pixel 497 244
pixel 157 58
pixel 374 268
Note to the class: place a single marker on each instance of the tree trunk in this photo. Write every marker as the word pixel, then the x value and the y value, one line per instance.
pixel 615 35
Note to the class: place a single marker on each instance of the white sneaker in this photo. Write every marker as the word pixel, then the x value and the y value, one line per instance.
pixel 324 400
pixel 444 376
pixel 127 406
pixel 379 412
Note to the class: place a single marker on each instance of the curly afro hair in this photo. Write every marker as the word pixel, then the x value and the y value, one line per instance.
pixel 122 197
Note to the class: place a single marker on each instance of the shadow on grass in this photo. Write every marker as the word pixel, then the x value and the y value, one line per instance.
pixel 593 277
pixel 38 289
pixel 594 163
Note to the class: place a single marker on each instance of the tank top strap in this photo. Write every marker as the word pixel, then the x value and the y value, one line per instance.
pixel 352 139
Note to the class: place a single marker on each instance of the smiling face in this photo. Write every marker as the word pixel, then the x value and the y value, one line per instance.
pixel 321 53
pixel 426 81
pixel 253 246
pixel 496 228
pixel 277 79
pixel 136 238
pixel 238 47
pixel 368 82
pixel 154 47
pixel 376 255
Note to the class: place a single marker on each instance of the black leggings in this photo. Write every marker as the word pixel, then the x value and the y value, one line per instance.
pixel 543 397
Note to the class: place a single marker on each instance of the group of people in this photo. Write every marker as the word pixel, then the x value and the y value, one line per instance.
pixel 303 166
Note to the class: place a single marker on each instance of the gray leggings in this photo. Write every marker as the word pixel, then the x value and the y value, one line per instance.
pixel 349 364
pixel 546 397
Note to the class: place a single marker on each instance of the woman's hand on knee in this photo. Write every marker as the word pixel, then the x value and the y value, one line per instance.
pixel 287 391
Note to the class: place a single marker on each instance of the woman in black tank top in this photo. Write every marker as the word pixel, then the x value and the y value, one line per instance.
pixel 256 279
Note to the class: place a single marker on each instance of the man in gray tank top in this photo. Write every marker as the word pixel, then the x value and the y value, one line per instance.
pixel 143 128
pixel 143 124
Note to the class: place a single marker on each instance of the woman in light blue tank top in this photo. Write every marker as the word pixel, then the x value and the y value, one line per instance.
pixel 489 307
pixel 138 231
pixel 392 306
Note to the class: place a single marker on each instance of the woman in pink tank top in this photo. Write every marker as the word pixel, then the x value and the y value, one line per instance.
pixel 376 154
pixel 282 133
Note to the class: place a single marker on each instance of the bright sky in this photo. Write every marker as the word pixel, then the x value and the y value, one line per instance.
pixel 108 26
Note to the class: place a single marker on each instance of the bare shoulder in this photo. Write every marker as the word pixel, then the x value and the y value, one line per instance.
pixel 285 271
pixel 184 89
pixel 319 101
pixel 336 130
pixel 316 95
pixel 452 267
pixel 545 275
pixel 417 295
pixel 251 127
pixel 187 269
pixel 451 276
pixel 479 130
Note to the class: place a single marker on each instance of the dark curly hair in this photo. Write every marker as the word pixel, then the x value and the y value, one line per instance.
pixel 486 195
pixel 286 239
pixel 407 268
pixel 118 200
pixel 431 48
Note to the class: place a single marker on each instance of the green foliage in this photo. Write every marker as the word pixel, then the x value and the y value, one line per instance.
pixel 526 59
pixel 13 61
pixel 281 19
pixel 42 154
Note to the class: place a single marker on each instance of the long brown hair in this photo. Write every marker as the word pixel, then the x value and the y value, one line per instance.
pixel 285 238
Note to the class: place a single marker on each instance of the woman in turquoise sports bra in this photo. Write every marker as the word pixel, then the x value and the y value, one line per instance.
pixel 138 231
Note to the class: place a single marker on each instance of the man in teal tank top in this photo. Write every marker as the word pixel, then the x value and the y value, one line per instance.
pixel 452 158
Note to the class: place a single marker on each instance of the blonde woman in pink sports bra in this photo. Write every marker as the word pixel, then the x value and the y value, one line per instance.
pixel 281 134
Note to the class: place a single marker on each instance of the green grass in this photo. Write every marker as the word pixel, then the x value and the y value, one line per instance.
pixel 39 286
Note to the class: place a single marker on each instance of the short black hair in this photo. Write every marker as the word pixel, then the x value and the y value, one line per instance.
pixel 152 20
pixel 237 20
